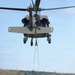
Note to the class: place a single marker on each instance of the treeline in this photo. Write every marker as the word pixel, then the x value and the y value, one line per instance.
pixel 16 72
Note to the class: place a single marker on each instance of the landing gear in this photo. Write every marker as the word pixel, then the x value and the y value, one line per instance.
pixel 36 43
pixel 24 40
pixel 31 42
pixel 49 39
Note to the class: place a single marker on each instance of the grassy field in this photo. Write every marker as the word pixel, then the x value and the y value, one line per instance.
pixel 16 72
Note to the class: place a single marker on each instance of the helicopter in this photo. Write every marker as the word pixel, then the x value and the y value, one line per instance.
pixel 34 24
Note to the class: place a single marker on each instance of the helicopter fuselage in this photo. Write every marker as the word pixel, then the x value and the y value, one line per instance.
pixel 42 21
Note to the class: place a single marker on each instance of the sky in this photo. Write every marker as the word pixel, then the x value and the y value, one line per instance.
pixel 59 56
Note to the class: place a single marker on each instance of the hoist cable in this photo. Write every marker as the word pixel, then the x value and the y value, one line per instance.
pixel 36 63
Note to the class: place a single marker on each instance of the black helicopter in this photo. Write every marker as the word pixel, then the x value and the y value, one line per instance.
pixel 35 25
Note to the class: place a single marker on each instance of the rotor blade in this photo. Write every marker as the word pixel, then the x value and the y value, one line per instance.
pixel 37 3
pixel 58 8
pixel 17 9
pixel 32 2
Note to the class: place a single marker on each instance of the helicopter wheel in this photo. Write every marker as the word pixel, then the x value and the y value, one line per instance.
pixel 24 40
pixel 49 40
pixel 31 42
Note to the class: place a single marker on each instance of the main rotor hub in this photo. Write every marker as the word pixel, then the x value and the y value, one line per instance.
pixel 30 8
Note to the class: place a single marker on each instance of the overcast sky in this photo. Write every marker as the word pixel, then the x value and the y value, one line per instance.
pixel 59 56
